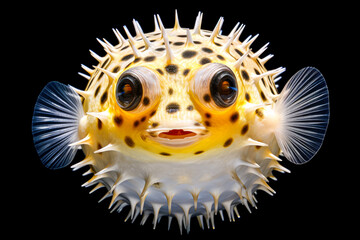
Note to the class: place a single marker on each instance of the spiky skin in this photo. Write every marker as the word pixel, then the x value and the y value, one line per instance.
pixel 234 152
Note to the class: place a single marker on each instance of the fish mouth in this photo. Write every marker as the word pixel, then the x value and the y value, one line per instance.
pixel 177 134
pixel 177 137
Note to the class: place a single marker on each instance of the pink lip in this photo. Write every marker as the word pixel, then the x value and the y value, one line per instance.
pixel 177 134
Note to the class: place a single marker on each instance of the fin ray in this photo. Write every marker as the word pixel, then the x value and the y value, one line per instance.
pixel 55 124
pixel 303 107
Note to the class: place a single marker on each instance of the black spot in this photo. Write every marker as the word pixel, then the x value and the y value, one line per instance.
pixel 198 152
pixel 228 142
pixel 105 63
pixel 172 68
pixel 217 44
pixel 178 43
pixel 257 147
pixel 99 124
pixel 207 123
pixel 197 124
pixel 170 91
pixel 142 47
pixel 245 75
pixel 239 52
pixel 100 75
pixel 104 98
pixel 263 96
pixel 143 119
pixel 186 72
pixel 207 98
pixel 256 71
pixel 234 117
pixel 136 123
pixel 160 49
pixel 259 113
pixel 165 154
pixel 99 146
pixel 247 97
pixel 244 129
pixel 160 71
pixel 220 57
pixel 149 58
pixel 182 35
pixel 97 90
pixel 172 107
pixel 207 115
pixel 190 107
pixel 146 101
pixel 127 57
pixel 188 54
pixel 197 42
pixel 207 50
pixel 116 69
pixel 128 65
pixel 155 124
pixel 125 47
pixel 128 140
pixel 137 60
pixel 152 113
pixel 204 61
pixel 118 120
pixel 143 137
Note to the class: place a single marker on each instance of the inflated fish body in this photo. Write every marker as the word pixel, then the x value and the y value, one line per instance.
pixel 182 122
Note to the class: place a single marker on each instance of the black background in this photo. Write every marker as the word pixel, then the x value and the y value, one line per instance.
pixel 48 42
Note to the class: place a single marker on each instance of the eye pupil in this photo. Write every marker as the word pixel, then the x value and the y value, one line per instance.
pixel 127 88
pixel 128 92
pixel 226 91
pixel 223 88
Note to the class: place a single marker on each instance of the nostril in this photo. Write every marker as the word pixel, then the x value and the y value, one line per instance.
pixel 172 107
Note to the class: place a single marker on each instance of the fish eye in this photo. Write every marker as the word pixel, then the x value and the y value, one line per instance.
pixel 223 88
pixel 137 89
pixel 215 86
pixel 128 92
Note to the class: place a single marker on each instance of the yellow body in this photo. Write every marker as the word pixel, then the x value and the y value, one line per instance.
pixel 229 152
pixel 220 124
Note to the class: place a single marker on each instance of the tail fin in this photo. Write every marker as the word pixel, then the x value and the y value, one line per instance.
pixel 55 124
pixel 303 107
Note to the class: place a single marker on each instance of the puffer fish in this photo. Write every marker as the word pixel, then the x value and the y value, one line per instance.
pixel 182 122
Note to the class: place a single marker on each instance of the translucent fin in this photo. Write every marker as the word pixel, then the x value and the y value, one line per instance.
pixel 55 124
pixel 303 107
